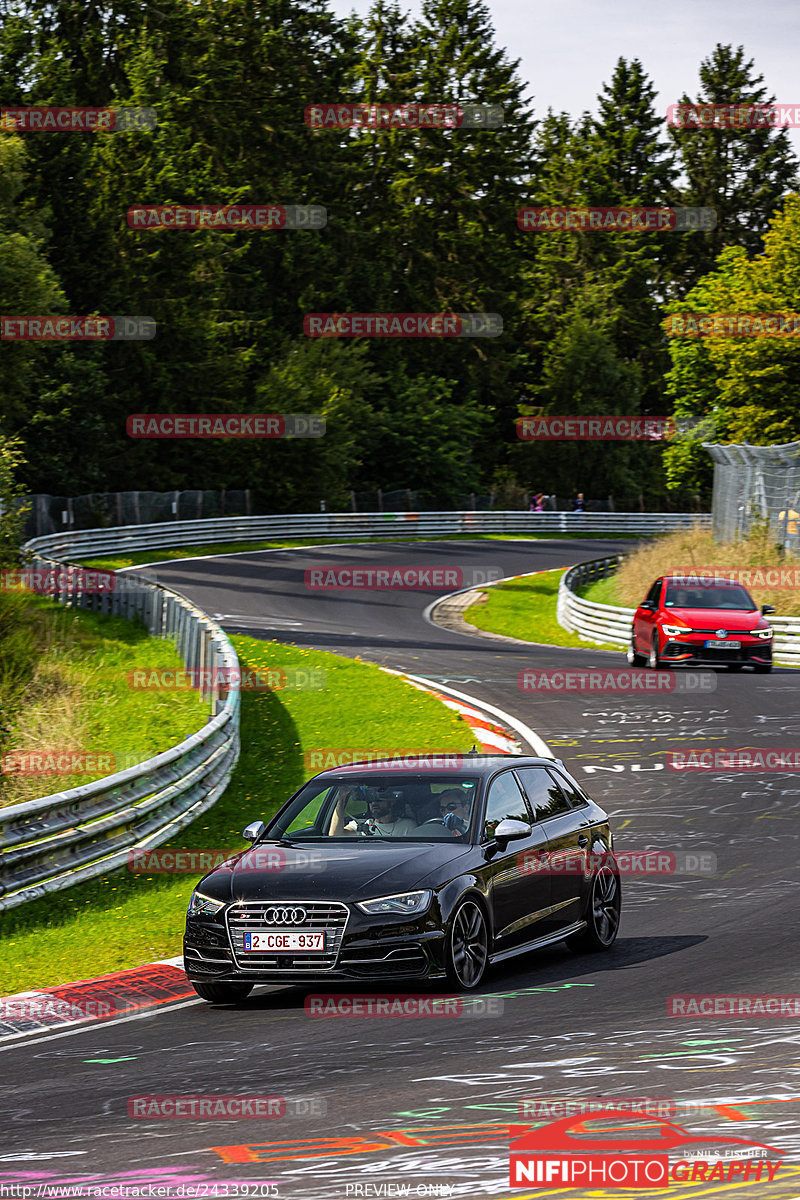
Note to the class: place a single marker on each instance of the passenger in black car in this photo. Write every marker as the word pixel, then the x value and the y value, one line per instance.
pixel 454 814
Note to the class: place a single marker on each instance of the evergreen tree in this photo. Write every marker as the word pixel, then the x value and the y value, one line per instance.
pixel 742 173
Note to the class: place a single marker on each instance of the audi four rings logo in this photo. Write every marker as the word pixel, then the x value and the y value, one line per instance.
pixel 285 916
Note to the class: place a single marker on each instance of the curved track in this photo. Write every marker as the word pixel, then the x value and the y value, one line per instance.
pixel 423 1104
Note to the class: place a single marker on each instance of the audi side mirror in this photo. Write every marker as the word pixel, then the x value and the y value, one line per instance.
pixel 767 608
pixel 648 604
pixel 512 830
pixel 254 831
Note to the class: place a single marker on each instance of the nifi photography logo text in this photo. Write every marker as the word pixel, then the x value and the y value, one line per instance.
pixel 566 1154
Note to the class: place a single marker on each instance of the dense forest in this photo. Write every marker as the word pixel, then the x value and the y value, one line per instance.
pixel 418 220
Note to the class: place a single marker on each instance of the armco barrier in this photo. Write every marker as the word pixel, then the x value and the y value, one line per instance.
pixel 128 539
pixel 611 623
pixel 67 837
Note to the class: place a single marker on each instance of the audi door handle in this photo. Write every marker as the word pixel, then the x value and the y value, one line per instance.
pixel 583 841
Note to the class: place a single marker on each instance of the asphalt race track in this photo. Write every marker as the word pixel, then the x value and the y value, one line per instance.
pixel 424 1104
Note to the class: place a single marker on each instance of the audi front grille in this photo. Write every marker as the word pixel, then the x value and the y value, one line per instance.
pixel 252 916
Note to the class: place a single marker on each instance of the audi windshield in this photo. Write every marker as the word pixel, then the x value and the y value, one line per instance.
pixel 377 808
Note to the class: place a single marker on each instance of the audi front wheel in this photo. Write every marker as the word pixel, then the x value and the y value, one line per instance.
pixel 467 946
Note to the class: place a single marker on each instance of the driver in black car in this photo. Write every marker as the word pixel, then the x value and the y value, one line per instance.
pixel 454 814
pixel 384 818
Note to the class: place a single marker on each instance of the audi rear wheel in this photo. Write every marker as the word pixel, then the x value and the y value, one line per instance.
pixel 602 919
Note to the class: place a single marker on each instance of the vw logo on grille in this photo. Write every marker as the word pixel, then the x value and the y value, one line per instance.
pixel 722 633
pixel 285 916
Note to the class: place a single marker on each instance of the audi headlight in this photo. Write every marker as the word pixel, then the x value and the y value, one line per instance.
pixel 675 630
pixel 408 903
pixel 764 634
pixel 203 906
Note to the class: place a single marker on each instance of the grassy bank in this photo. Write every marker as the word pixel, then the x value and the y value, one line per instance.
pixel 525 608
pixel 690 551
pixel 125 919
pixel 64 689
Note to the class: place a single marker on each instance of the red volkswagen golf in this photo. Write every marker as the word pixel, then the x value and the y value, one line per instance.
pixel 715 622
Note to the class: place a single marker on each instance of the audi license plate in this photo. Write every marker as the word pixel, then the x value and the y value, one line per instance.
pixel 726 645
pixel 283 940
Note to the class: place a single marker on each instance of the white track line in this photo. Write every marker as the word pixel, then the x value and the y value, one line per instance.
pixel 539 746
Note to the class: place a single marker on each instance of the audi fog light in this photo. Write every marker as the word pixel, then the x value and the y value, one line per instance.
pixel 407 902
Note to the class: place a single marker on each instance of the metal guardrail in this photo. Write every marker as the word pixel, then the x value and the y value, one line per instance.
pixel 288 527
pixel 611 623
pixel 67 837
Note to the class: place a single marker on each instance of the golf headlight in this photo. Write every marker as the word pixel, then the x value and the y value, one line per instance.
pixel 764 634
pixel 203 906
pixel 675 630
pixel 407 903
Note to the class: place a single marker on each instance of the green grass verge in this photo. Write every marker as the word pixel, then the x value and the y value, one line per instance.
pixel 126 919
pixel 140 558
pixel 526 608
pixel 602 591
pixel 74 695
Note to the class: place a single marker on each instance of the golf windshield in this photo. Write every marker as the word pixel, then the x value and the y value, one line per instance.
pixel 708 596
pixel 374 809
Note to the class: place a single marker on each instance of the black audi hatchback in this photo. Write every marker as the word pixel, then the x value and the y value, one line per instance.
pixel 428 870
